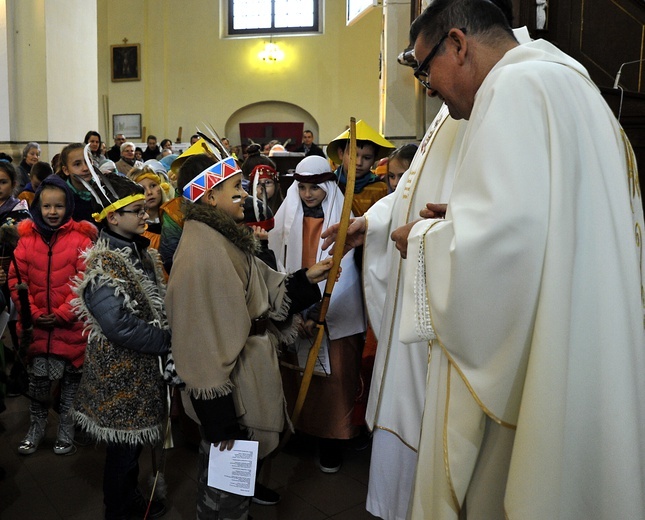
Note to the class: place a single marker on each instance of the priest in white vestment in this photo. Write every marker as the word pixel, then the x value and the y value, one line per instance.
pixel 398 388
pixel 530 290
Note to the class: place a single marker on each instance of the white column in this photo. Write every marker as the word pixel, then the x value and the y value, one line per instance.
pixel 72 69
pixel 5 116
pixel 52 70
pixel 405 109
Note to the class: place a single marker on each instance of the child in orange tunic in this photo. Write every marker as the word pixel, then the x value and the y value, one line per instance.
pixel 313 202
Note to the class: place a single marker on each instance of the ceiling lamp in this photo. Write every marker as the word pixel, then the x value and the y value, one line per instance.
pixel 271 52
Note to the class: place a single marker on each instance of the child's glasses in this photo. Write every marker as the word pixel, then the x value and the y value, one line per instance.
pixel 140 213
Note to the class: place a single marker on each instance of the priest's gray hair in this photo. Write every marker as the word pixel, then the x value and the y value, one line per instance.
pixel 480 18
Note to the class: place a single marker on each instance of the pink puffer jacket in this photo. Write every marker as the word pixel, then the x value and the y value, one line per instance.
pixel 47 269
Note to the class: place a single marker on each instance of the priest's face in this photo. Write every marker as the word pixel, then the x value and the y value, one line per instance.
pixel 446 71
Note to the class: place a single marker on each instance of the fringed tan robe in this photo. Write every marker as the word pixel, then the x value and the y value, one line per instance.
pixel 217 287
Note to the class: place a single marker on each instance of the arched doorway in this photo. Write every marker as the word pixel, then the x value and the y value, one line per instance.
pixel 269 115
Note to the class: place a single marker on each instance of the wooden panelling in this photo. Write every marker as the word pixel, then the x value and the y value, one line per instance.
pixel 609 36
pixel 601 34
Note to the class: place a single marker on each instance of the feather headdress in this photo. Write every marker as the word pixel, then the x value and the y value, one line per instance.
pixel 225 167
pixel 103 192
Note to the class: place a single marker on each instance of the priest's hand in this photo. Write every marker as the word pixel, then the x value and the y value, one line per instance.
pixel 400 238
pixel 434 210
pixel 355 235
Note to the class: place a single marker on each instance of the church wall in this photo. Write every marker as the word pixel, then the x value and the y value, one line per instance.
pixel 51 73
pixel 190 75
pixel 71 77
pixel 28 86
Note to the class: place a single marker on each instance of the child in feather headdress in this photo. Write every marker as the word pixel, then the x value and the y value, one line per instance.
pixel 229 311
pixel 121 400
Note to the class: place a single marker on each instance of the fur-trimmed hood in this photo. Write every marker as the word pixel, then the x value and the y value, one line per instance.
pixel 242 236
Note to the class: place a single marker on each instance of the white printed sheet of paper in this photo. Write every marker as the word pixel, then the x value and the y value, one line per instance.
pixel 323 366
pixel 301 348
pixel 234 470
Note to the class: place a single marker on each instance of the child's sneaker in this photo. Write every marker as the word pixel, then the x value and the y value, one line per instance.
pixel 265 496
pixel 64 448
pixel 331 455
pixel 31 441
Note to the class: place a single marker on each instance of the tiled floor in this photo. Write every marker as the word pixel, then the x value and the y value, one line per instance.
pixel 51 487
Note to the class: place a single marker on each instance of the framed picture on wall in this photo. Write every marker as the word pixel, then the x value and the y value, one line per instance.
pixel 127 124
pixel 126 62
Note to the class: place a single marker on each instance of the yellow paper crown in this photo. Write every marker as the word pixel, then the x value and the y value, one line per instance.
pixel 200 146
pixel 153 176
pixel 364 132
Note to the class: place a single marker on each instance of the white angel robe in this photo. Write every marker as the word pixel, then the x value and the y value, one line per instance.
pixel 397 391
pixel 533 288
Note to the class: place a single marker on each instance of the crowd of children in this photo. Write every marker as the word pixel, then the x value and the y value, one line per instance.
pixel 92 312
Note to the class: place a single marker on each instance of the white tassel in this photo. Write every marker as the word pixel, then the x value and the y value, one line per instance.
pixel 256 204
pixel 90 165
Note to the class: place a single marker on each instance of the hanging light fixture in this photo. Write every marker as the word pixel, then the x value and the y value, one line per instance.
pixel 271 52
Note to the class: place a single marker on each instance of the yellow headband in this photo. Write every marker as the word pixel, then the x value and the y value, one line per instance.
pixel 153 176
pixel 121 203
pixel 148 175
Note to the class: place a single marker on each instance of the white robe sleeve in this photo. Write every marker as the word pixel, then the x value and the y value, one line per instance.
pixel 377 249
